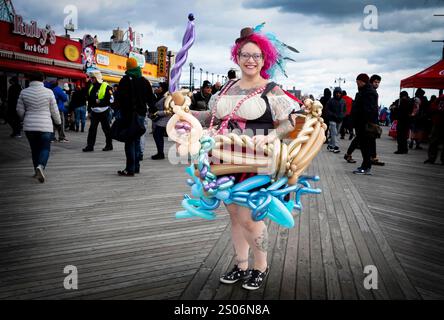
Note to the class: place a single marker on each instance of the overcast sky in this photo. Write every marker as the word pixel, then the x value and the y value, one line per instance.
pixel 336 39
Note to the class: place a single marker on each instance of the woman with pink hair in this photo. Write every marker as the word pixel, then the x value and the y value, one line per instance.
pixel 252 103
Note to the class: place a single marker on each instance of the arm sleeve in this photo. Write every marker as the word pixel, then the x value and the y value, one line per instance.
pixel 55 115
pixel 20 107
pixel 281 105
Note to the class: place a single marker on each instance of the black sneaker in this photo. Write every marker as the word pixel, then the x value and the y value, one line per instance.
pixel 429 161
pixel 158 156
pixel 107 148
pixel 235 275
pixel 330 148
pixel 363 172
pixel 88 149
pixel 256 280
pixel 336 150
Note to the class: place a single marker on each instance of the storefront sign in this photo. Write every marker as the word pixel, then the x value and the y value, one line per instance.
pixel 161 61
pixel 71 53
pixel 33 31
pixel 102 59
pixel 36 48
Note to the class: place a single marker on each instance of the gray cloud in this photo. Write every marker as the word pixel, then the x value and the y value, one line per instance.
pixel 339 9
pixel 395 15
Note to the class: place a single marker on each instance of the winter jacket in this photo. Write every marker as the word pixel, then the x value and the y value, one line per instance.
pixel 199 102
pixel 78 99
pixel 36 106
pixel 135 95
pixel 93 95
pixel 348 104
pixel 365 106
pixel 60 97
pixel 13 95
pixel 336 108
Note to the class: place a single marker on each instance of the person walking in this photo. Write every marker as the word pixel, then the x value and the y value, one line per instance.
pixel 38 109
pixel 135 94
pixel 347 125
pixel 160 120
pixel 324 100
pixel 11 111
pixel 401 112
pixel 78 105
pixel 61 99
pixel 437 135
pixel 100 96
pixel 364 112
pixel 335 113
pixel 375 80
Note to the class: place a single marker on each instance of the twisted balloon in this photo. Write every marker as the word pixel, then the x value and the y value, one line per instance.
pixel 182 55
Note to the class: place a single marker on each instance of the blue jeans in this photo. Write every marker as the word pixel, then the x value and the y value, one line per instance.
pixel 80 117
pixel 40 143
pixel 132 152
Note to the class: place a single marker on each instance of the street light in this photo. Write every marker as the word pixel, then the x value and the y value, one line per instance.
pixel 217 78
pixel 207 75
pixel 200 83
pixel 339 81
pixel 212 77
pixel 191 74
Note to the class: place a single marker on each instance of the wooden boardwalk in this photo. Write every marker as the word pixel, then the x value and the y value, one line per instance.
pixel 122 236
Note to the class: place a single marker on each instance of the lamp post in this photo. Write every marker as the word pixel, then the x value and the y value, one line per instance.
pixel 339 81
pixel 217 78
pixel 212 77
pixel 192 86
pixel 200 83
pixel 191 74
pixel 207 75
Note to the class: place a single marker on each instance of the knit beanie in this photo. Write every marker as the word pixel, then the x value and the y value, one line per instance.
pixel 363 77
pixel 131 63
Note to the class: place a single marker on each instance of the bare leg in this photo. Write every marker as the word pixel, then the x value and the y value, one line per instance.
pixel 241 246
pixel 255 233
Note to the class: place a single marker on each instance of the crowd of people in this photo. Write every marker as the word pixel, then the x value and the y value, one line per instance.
pixel 415 120
pixel 44 110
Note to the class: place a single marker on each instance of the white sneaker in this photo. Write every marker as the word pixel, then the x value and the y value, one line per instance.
pixel 39 173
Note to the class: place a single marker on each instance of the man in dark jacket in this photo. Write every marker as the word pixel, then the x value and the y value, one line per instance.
pixel 78 107
pixel 100 97
pixel 135 94
pixel 364 111
pixel 11 113
pixel 335 114
pixel 324 100
pixel 375 80
pixel 401 111
pixel 199 101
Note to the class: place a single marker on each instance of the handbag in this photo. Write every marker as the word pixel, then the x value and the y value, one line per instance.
pixel 373 130
pixel 123 131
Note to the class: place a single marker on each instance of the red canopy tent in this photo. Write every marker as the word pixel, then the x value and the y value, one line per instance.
pixel 430 78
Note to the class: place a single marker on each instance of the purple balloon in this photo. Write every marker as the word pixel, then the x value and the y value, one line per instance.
pixel 182 55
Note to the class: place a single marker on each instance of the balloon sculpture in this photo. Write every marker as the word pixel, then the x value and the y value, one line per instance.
pixel 273 195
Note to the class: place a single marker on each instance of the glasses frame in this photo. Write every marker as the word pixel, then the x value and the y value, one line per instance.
pixel 260 58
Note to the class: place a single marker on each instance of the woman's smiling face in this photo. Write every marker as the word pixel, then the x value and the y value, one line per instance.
pixel 250 59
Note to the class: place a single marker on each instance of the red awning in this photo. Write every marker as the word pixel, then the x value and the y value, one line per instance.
pixel 22 66
pixel 430 78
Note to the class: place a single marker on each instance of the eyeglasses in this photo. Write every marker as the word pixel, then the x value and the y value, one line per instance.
pixel 246 56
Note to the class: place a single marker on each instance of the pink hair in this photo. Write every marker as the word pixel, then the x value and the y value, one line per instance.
pixel 268 50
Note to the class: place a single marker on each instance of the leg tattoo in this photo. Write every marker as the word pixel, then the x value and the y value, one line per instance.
pixel 262 241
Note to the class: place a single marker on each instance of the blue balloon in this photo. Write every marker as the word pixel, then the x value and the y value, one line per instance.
pixel 252 183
